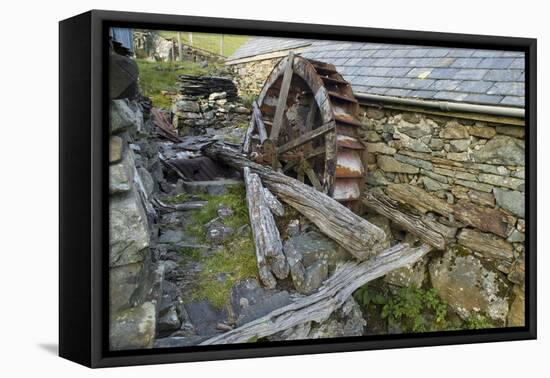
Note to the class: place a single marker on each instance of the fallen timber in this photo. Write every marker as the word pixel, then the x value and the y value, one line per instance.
pixel 358 236
pixel 423 228
pixel 269 248
pixel 320 305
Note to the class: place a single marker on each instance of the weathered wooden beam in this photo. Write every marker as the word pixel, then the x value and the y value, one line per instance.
pixel 318 306
pixel 273 203
pixel 248 136
pixel 283 95
pixel 360 237
pixel 306 137
pixel 389 208
pixel 260 125
pixel 269 249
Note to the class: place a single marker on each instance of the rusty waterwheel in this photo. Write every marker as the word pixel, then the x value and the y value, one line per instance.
pixel 305 124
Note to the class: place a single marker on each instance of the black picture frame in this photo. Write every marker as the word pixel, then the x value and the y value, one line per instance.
pixel 83 196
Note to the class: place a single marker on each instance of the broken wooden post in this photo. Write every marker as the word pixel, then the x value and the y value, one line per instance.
pixel 360 237
pixel 269 249
pixel 330 297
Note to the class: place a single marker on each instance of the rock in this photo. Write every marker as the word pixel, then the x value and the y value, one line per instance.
pixel 217 96
pixel 313 246
pixel 467 286
pixel 458 156
pixel 501 150
pixel 115 149
pixel 212 187
pixel 375 113
pixel 120 178
pixel 128 229
pixel 169 322
pixel 475 185
pixel 179 341
pixel 414 130
pixel 406 142
pixel 411 117
pixel 436 144
pixel 293 228
pixel 380 148
pixel 432 185
pixel 376 178
pixel 384 224
pixel 415 162
pixel 250 301
pixel 408 276
pixel 345 322
pixel 372 136
pixel 482 131
pixel 225 212
pixel 204 316
pixel 517 272
pixel 133 328
pixel 146 180
pixel 513 131
pixel 459 145
pixel 485 199
pixel 218 232
pixel 122 117
pixel 390 164
pixel 506 182
pixel 172 236
pixel 516 237
pixel 124 280
pixel 185 106
pixel 242 110
pixel 516 315
pixel 490 246
pixel 454 130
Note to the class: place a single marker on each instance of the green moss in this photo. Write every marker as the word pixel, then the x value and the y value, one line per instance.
pixel 178 198
pixel 237 258
pixel 235 198
pixel 158 77
pixel 235 262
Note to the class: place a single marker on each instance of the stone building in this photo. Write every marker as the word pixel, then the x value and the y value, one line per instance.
pixel 445 135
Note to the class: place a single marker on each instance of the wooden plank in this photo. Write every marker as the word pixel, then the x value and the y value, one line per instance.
pixel 312 176
pixel 267 241
pixel 306 137
pixel 248 136
pixel 283 95
pixel 385 206
pixel 360 237
pixel 260 125
pixel 335 291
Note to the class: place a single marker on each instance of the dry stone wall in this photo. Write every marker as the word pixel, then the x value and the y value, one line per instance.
pixel 468 177
pixel 250 76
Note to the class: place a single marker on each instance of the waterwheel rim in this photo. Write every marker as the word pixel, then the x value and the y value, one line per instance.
pixel 316 87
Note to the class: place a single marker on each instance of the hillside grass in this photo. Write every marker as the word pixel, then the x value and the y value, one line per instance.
pixel 210 42
pixel 156 77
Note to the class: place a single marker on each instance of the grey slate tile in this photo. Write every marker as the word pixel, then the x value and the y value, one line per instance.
pixel 513 101
pixel 518 63
pixel 474 86
pixel 373 71
pixel 508 88
pixel 469 74
pixel 504 75
pixel 480 98
pixel 496 63
pixel 487 53
pixel 443 73
pixel 420 71
pixel 398 92
pixel 466 62
pixel 445 85
pixel 460 53
pixel 423 94
pixel 452 96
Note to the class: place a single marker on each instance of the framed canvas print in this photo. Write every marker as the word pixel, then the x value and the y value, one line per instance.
pixel 234 188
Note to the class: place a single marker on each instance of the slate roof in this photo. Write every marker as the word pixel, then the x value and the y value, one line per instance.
pixel 486 77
